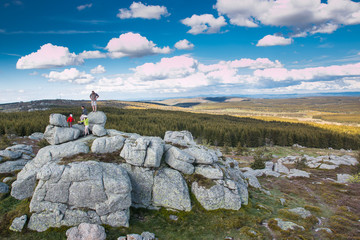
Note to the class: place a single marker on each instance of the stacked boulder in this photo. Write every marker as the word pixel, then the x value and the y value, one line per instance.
pixel 58 131
pixel 97 121
pixel 149 173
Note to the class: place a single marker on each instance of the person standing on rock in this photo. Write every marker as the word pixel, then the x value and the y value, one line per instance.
pixel 94 96
pixel 70 120
pixel 86 124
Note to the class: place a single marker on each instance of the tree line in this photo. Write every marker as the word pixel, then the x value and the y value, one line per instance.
pixel 219 130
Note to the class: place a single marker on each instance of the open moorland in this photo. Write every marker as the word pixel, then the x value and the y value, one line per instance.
pixel 333 206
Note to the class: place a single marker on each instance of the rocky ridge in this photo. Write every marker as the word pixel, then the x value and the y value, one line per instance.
pixel 153 173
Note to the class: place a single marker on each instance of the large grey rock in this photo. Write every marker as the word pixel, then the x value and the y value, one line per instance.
pixel 97 118
pixel 269 165
pixel 143 151
pixel 117 219
pixel 210 171
pixel 12 166
pixel 86 231
pixel 202 155
pixel 27 149
pixel 10 154
pixel 142 181
pixel 134 151
pixel 183 138
pixel 280 168
pixel 99 130
pixel 80 127
pixel 154 152
pixel 179 160
pixel 114 132
pixel 298 173
pixel 36 136
pixel 18 223
pixel 217 196
pixel 328 166
pixel 24 186
pixel 252 180
pixel 4 188
pixel 57 135
pixel 102 189
pixel 58 120
pixel 108 144
pixel 170 190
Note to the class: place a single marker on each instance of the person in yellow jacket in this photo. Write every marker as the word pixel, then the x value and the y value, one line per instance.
pixel 86 124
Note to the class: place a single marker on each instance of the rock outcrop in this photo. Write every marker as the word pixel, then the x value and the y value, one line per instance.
pixel 147 173
pixel 90 192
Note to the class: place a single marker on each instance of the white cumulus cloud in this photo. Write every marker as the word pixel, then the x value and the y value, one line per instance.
pixel 175 67
pixel 310 16
pixel 71 75
pixel 49 56
pixel 98 70
pixel 273 40
pixel 92 54
pixel 205 23
pixel 309 74
pixel 139 10
pixel 82 7
pixel 133 45
pixel 184 45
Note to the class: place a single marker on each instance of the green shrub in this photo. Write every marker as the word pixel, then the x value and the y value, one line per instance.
pixel 354 178
pixel 260 157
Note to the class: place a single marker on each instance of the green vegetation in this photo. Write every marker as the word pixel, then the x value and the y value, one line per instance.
pixel 218 130
pixel 4 141
pixel 341 118
pixel 260 157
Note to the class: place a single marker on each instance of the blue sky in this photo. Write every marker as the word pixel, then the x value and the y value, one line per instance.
pixel 140 50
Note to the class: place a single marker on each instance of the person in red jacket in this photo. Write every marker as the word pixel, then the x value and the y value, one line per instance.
pixel 70 120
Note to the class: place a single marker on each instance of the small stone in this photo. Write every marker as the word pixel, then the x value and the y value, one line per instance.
pixel 282 201
pixel 343 178
pixel 173 217
pixel 7 179
pixel 328 230
pixel 4 188
pixel 134 237
pixel 148 236
pixel 301 212
pixel 287 225
pixel 18 223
